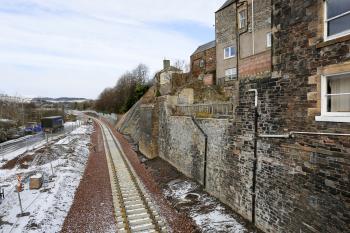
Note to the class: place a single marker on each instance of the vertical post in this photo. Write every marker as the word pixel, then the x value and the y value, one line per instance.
pixel 20 202
pixel 2 151
pixel 23 112
pixel 19 188
pixel 26 141
pixel 53 174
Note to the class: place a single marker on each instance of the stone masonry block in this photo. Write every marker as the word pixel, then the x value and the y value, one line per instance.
pixel 311 112
pixel 312 96
pixel 36 181
pixel 313 80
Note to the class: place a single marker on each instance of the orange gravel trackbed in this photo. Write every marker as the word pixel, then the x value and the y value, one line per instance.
pixel 92 208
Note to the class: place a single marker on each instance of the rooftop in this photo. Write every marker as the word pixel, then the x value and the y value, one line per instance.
pixel 204 47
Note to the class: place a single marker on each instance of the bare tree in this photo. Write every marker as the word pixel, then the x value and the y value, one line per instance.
pixel 129 88
pixel 182 65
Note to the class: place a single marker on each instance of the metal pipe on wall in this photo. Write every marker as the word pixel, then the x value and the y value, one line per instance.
pixel 291 133
pixel 255 159
pixel 205 151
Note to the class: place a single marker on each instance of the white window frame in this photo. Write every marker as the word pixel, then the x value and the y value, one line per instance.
pixel 331 116
pixel 202 63
pixel 240 19
pixel 269 39
pixel 232 76
pixel 229 48
pixel 325 23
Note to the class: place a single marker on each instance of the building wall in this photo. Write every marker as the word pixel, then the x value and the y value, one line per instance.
pixel 209 56
pixel 302 182
pixel 262 25
pixel 250 64
pixel 225 37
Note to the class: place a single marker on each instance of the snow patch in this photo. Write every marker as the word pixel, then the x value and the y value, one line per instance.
pixel 48 206
pixel 207 212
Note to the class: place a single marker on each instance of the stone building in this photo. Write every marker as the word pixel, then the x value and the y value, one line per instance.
pixel 226 43
pixel 243 43
pixel 203 63
pixel 164 77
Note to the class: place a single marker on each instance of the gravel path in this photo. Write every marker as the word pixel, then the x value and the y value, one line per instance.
pixel 177 221
pixel 92 209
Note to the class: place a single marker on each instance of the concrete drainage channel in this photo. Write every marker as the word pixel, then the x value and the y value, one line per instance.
pixel 134 209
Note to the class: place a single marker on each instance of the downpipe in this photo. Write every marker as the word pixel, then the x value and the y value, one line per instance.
pixel 205 151
pixel 255 159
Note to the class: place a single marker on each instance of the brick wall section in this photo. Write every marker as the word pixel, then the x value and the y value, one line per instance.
pixel 209 56
pixel 257 65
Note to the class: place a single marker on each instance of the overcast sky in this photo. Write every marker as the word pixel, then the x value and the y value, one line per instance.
pixel 76 48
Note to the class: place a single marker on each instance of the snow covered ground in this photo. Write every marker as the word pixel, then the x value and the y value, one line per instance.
pixel 48 206
pixel 206 211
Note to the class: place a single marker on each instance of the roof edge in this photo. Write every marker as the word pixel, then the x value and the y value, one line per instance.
pixel 225 6
pixel 198 50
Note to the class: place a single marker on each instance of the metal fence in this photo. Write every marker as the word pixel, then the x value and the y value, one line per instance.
pixel 214 109
pixel 24 142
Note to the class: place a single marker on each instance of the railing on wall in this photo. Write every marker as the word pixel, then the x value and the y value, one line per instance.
pixel 209 110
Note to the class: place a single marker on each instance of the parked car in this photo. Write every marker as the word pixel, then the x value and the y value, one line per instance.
pixel 32 128
pixel 52 124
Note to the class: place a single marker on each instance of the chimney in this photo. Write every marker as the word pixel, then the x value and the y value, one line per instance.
pixel 166 64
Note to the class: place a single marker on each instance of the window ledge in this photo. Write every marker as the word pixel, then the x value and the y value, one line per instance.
pixel 333 118
pixel 333 41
